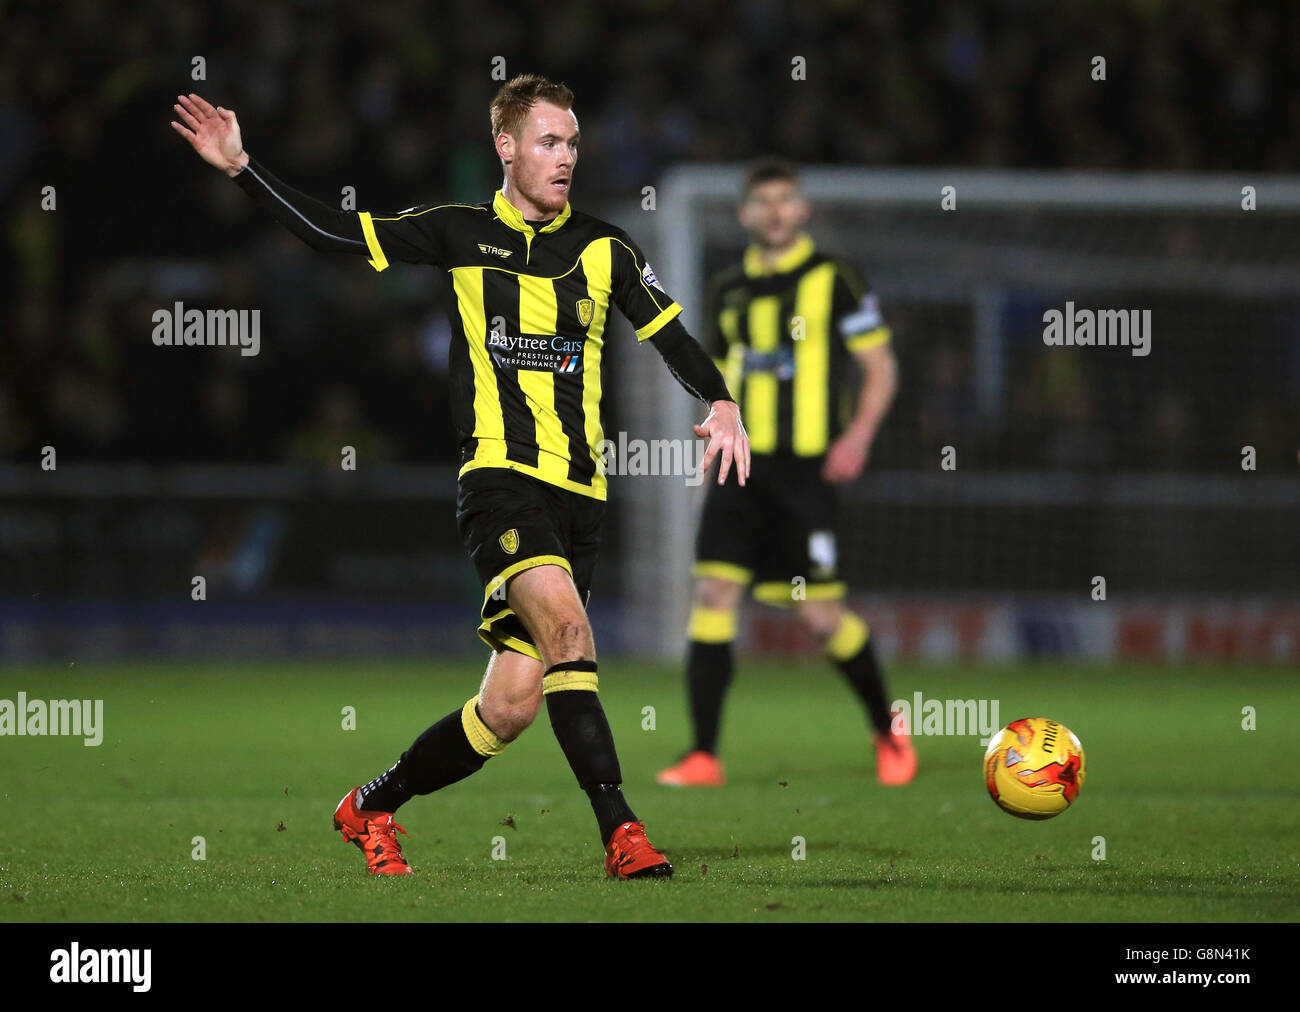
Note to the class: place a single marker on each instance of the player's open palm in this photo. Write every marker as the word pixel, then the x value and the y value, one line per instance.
pixel 212 131
pixel 727 438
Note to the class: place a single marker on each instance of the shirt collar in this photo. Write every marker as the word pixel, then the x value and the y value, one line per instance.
pixel 787 261
pixel 514 218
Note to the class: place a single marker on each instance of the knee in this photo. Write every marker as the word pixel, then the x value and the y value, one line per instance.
pixel 509 718
pixel 821 619
pixel 568 639
pixel 718 595
pixel 713 614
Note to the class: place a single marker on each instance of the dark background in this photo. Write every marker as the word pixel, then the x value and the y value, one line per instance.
pixel 391 98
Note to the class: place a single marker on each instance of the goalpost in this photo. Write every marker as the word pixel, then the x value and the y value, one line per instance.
pixel 1069 462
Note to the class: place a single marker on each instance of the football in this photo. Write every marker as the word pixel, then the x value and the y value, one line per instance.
pixel 1034 768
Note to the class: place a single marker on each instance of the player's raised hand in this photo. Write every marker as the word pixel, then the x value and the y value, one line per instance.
pixel 212 131
pixel 726 435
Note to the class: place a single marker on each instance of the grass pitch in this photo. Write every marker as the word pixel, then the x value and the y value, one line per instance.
pixel 1199 817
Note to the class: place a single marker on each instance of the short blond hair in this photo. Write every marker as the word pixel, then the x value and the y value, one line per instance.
pixel 517 97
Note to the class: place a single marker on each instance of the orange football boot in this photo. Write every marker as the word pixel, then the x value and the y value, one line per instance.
pixel 375 833
pixel 698 769
pixel 629 854
pixel 895 757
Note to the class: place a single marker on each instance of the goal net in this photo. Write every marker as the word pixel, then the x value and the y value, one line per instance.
pixel 1013 473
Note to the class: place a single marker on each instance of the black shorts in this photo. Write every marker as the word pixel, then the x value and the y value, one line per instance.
pixel 778 532
pixel 510 522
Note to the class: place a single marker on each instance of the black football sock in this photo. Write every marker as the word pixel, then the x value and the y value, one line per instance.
pixel 582 730
pixel 611 808
pixel 708 673
pixel 709 669
pixel 455 747
pixel 851 650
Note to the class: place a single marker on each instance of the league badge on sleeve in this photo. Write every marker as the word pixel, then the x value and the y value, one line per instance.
pixel 865 318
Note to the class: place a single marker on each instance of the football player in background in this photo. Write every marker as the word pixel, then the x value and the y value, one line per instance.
pixel 786 326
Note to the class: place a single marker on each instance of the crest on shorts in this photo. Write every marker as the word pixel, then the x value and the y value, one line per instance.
pixel 821 550
pixel 510 541
pixel 586 309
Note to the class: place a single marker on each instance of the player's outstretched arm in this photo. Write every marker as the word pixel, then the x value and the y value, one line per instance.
pixel 213 132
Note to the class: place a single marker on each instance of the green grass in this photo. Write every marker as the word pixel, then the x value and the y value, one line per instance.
pixel 1200 818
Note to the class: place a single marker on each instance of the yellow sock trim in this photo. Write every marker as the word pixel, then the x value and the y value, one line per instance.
pixel 849 638
pixel 481 738
pixel 565 681
pixel 712 625
pixel 782 595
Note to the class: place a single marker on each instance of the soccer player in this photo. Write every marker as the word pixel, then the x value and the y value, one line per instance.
pixel 534 282
pixel 786 326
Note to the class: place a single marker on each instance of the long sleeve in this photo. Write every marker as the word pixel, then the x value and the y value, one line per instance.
pixel 637 291
pixel 856 311
pixel 690 364
pixel 409 237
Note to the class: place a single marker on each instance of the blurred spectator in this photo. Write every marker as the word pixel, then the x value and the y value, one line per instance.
pixel 337 424
pixel 389 99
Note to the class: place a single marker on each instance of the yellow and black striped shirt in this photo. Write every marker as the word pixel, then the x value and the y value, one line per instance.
pixel 528 328
pixel 783 337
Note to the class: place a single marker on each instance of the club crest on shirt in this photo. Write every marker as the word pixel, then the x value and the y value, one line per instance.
pixel 586 309
pixel 510 541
